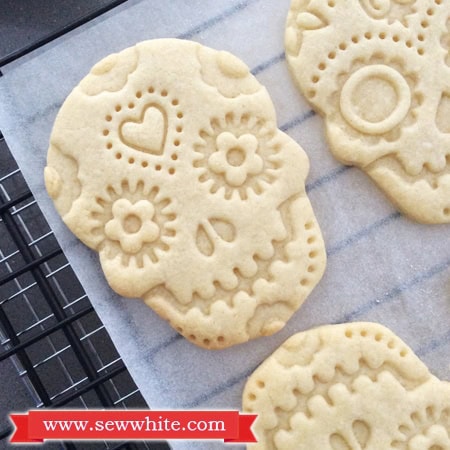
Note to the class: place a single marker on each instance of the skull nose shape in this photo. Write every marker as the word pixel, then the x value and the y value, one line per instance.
pixel 443 114
pixel 193 197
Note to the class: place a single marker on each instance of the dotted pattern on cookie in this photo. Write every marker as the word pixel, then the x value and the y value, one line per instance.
pixel 337 387
pixel 148 102
pixel 380 80
pixel 191 195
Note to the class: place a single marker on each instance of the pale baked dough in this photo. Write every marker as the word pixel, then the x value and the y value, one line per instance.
pixel 378 71
pixel 353 386
pixel 167 160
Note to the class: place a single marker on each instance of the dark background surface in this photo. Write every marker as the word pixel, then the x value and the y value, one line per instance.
pixel 26 23
pixel 54 350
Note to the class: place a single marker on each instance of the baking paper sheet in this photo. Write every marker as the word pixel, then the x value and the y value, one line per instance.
pixel 381 266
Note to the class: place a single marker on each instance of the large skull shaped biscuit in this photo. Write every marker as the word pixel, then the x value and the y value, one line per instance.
pixel 353 386
pixel 379 72
pixel 167 160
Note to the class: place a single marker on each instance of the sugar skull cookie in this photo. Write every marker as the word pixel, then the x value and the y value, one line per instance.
pixel 354 386
pixel 378 71
pixel 167 160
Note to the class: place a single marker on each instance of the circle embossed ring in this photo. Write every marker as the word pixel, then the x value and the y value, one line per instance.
pixel 385 73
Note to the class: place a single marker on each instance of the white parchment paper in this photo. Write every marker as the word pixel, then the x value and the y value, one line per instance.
pixel 381 266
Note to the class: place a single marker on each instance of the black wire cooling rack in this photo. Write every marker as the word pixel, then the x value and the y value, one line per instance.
pixel 54 349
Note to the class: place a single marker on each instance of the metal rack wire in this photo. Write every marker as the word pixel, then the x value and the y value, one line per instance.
pixel 48 328
pixel 51 339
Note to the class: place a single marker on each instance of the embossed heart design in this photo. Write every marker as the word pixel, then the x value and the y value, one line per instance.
pixel 147 135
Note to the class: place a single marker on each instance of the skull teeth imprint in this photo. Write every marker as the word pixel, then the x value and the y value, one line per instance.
pixel 167 160
pixel 381 80
pixel 354 386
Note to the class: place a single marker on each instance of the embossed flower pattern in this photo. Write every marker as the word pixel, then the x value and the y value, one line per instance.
pixel 132 224
pixel 383 90
pixel 185 157
pixel 239 154
pixel 236 158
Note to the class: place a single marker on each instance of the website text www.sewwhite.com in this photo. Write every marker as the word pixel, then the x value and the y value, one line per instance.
pixel 40 425
pixel 146 425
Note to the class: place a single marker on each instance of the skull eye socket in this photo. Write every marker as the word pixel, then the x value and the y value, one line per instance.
pixel 386 90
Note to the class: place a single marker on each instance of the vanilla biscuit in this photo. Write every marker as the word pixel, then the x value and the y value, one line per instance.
pixel 351 386
pixel 166 159
pixel 378 71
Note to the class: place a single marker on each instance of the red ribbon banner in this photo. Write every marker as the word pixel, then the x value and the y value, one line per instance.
pixel 40 425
